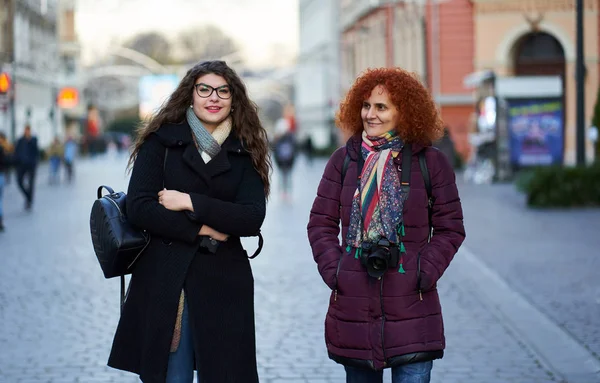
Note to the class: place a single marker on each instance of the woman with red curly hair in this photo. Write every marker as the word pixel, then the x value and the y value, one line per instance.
pixel 384 309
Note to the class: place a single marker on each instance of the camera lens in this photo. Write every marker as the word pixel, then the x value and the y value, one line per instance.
pixel 379 264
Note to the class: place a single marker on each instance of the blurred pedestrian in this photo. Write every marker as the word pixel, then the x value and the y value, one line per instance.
pixel 55 155
pixel 191 298
pixel 26 158
pixel 3 165
pixel 9 151
pixel 92 131
pixel 310 149
pixel 69 157
pixel 284 150
pixel 384 310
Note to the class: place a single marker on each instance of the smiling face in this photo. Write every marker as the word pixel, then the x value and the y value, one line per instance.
pixel 378 113
pixel 211 109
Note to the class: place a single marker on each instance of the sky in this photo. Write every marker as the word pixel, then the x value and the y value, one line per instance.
pixel 259 26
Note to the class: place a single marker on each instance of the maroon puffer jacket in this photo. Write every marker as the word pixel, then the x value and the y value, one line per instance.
pixel 387 322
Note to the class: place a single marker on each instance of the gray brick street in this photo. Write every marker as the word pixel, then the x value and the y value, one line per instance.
pixel 521 301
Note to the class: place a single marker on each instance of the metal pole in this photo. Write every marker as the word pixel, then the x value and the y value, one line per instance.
pixel 580 86
pixel 13 68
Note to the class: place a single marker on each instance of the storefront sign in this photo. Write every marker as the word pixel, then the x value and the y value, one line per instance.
pixel 536 131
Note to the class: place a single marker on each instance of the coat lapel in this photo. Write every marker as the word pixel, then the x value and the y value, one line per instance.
pixel 180 135
pixel 216 166
pixel 193 159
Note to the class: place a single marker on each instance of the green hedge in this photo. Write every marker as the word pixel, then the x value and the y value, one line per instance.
pixel 558 186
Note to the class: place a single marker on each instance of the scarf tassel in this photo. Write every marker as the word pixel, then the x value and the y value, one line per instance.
pixel 401 268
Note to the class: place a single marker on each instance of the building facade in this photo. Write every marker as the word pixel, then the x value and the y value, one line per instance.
pixel 538 37
pixel 317 79
pixel 381 33
pixel 34 66
pixel 70 73
pixel 450 51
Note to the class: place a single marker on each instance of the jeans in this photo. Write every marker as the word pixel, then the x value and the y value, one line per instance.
pixel 27 189
pixel 408 373
pixel 54 168
pixel 181 362
pixel 1 193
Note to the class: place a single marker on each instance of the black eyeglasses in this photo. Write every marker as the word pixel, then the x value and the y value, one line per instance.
pixel 205 91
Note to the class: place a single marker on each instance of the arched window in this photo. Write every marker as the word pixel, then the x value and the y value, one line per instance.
pixel 539 53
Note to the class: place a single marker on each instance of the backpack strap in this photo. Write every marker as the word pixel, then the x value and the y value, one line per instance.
pixel 260 246
pixel 345 166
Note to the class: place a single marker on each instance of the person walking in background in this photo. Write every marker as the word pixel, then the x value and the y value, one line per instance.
pixel 310 149
pixel 285 147
pixel 9 151
pixel 200 181
pixel 384 310
pixel 284 150
pixel 4 162
pixel 55 156
pixel 26 158
pixel 70 153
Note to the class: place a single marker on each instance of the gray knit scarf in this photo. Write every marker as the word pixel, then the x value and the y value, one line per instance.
pixel 206 142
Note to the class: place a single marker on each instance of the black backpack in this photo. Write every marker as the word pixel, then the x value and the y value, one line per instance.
pixel 117 243
pixel 406 167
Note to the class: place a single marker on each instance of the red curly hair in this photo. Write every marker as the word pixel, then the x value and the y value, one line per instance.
pixel 420 121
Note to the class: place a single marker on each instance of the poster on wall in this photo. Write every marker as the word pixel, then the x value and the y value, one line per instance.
pixel 536 131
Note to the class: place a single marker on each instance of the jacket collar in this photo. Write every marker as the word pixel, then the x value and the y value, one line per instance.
pixel 354 143
pixel 180 135
pixel 174 135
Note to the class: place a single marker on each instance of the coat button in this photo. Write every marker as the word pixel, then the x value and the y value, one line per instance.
pixel 180 143
pixel 213 241
pixel 166 242
pixel 239 150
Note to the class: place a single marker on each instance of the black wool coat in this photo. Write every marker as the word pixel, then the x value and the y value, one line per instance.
pixel 228 195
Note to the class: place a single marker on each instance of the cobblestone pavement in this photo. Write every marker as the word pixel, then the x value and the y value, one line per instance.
pixel 549 256
pixel 58 313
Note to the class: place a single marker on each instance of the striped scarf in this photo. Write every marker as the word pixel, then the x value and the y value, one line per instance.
pixel 379 199
pixel 209 145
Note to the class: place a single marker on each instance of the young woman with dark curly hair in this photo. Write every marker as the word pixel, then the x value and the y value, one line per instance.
pixel 384 309
pixel 200 181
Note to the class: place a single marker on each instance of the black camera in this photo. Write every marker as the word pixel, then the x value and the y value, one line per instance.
pixel 378 257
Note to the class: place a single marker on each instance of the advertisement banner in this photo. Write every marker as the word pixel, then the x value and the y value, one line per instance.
pixel 536 131
pixel 154 90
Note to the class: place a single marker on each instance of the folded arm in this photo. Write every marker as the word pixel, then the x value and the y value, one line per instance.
pixel 241 218
pixel 143 208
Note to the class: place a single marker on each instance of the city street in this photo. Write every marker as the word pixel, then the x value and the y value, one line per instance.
pixel 521 300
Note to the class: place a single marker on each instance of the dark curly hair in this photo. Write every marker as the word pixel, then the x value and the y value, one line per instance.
pixel 245 122
pixel 420 121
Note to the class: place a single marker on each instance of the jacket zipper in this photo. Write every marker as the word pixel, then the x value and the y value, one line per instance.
pixel 337 272
pixel 382 321
pixel 419 276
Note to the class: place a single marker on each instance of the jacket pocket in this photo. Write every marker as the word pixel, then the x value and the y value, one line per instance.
pixel 337 273
pixel 419 290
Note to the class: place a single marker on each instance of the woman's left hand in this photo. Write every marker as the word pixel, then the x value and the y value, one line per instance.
pixel 175 200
